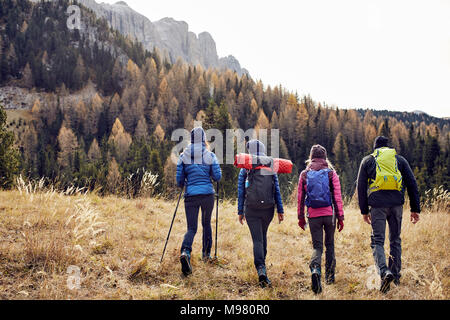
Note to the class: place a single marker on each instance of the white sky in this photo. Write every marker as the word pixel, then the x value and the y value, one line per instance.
pixel 354 53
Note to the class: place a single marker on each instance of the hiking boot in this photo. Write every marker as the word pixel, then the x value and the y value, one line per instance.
pixel 206 257
pixel 386 280
pixel 263 279
pixel 315 281
pixel 185 260
pixel 329 277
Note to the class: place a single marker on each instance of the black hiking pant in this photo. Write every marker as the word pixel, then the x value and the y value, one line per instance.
pixel 393 216
pixel 317 226
pixel 258 221
pixel 192 206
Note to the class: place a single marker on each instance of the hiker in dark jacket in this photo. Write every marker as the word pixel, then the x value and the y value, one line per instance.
pixel 382 179
pixel 259 219
pixel 195 169
pixel 319 189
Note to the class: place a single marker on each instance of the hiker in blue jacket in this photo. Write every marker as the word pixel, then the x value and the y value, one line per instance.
pixel 259 183
pixel 196 166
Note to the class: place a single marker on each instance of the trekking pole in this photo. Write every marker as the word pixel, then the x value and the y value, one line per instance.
pixel 217 219
pixel 171 225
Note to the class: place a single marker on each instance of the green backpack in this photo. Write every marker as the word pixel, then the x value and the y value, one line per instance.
pixel 388 177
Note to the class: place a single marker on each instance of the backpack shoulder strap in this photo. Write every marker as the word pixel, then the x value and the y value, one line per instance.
pixel 304 175
pixel 330 178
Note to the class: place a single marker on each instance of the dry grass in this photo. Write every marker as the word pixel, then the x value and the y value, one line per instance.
pixel 17 114
pixel 117 244
pixel 15 117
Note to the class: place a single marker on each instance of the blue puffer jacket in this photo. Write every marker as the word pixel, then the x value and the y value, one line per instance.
pixel 257 148
pixel 196 166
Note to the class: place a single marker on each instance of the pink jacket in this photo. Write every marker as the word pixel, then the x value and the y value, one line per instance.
pixel 316 165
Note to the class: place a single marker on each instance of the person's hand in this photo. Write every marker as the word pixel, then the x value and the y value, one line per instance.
pixel 241 219
pixel 302 223
pixel 367 218
pixel 340 225
pixel 415 217
pixel 280 217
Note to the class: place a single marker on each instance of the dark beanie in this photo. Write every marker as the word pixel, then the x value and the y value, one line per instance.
pixel 198 135
pixel 380 142
pixel 318 152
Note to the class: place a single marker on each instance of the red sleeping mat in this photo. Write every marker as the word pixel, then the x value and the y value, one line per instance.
pixel 248 161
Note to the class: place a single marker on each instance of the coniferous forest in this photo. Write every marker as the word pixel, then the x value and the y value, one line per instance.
pixel 109 140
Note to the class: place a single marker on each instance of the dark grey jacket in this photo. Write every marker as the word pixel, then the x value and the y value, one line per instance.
pixel 386 198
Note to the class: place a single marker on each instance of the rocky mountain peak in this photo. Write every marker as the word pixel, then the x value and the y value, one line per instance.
pixel 171 37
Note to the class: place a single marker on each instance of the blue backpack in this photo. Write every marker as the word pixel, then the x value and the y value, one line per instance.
pixel 318 193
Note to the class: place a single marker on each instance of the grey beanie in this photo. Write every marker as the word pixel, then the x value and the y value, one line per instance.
pixel 198 135
pixel 256 147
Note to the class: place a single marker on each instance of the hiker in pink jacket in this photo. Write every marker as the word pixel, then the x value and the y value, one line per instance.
pixel 319 190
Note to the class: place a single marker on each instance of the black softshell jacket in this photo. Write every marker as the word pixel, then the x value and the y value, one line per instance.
pixel 386 198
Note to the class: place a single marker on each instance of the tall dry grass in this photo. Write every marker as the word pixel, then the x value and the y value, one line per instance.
pixel 436 200
pixel 117 243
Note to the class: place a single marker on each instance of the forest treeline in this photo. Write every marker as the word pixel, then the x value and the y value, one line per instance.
pixel 109 140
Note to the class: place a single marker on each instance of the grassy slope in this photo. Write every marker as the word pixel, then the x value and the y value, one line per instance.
pixel 119 259
pixel 16 115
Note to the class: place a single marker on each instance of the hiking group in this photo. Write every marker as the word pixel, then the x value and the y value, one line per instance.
pixel 382 180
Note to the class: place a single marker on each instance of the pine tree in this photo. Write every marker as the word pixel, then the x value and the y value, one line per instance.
pixel 36 114
pixel 170 171
pixel 384 129
pixel 31 146
pixel 292 128
pixel 151 75
pixel 79 74
pixel 27 77
pixel 94 153
pixel 342 163
pixel 274 122
pixel 114 178
pixel 431 157
pixel 262 122
pixel 420 175
pixel 141 131
pixel 9 156
pixel 369 137
pixel 121 140
pixel 93 116
pixel 446 170
pixel 114 110
pixel 156 167
pixel 340 151
pixel 159 133
pixel 219 118
pixel 68 144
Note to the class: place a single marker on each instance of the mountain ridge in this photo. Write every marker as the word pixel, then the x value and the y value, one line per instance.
pixel 171 37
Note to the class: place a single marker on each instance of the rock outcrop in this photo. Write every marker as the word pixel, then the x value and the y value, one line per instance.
pixel 171 37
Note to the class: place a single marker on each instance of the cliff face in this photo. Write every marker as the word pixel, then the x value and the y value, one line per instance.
pixel 171 37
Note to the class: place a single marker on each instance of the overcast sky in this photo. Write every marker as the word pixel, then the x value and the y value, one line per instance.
pixel 371 54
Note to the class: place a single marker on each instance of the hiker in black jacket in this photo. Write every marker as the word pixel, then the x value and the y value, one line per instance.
pixel 259 216
pixel 383 193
